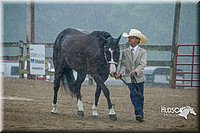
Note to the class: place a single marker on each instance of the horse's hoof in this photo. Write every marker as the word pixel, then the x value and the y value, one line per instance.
pixel 80 113
pixel 113 117
pixel 54 112
pixel 94 116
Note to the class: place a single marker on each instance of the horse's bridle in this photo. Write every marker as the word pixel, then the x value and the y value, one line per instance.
pixel 112 60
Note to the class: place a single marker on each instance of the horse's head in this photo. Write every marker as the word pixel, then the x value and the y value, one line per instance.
pixel 112 52
pixel 110 47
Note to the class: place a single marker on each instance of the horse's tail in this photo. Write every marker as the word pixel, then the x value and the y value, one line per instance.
pixel 68 81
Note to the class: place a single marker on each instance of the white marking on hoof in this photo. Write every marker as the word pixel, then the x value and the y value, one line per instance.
pixel 112 114
pixel 94 111
pixel 112 111
pixel 80 105
pixel 80 110
pixel 54 110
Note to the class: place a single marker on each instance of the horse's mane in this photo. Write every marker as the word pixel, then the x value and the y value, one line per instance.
pixel 101 35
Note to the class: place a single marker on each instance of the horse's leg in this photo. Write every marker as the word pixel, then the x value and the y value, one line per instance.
pixel 57 79
pixel 94 106
pixel 97 95
pixel 80 78
pixel 100 82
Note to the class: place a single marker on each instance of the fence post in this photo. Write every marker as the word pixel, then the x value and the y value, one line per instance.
pixel 30 33
pixel 174 42
pixel 28 61
pixel 21 59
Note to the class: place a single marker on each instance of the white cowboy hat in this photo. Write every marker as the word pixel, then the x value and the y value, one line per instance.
pixel 136 33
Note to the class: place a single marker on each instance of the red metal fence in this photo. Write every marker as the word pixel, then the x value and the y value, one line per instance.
pixel 186 70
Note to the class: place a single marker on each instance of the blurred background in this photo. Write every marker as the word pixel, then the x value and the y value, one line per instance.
pixel 155 20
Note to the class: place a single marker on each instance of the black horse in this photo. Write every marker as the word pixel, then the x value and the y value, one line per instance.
pixel 95 53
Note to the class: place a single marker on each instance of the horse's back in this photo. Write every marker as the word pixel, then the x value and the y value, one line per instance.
pixel 64 33
pixel 80 50
pixel 60 39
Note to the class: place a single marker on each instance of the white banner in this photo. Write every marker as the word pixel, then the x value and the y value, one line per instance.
pixel 37 59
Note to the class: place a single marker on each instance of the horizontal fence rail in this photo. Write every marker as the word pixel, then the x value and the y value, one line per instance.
pixel 23 56
pixel 150 62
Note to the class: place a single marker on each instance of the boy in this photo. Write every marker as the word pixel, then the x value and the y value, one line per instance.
pixel 133 62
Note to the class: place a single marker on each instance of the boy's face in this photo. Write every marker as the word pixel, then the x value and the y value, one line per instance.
pixel 133 41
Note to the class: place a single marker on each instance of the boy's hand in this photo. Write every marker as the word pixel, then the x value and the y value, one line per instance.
pixel 118 76
pixel 133 72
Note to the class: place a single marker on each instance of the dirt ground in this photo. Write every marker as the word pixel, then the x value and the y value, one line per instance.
pixel 27 107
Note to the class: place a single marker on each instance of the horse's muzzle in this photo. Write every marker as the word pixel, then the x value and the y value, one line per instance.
pixel 113 69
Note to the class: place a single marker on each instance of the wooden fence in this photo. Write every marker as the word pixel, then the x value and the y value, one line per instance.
pixel 156 48
pixel 22 58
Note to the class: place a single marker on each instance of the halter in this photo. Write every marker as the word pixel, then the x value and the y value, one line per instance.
pixel 111 61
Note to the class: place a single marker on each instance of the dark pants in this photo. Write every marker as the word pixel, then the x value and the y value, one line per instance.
pixel 137 97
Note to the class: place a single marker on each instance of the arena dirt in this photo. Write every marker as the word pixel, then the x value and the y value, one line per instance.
pixel 27 107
